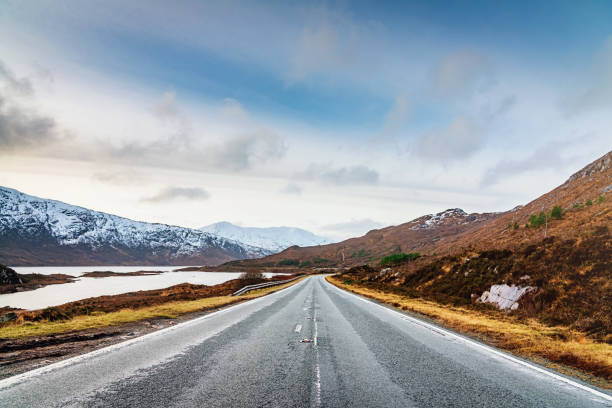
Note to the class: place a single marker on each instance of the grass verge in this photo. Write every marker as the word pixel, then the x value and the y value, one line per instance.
pixel 559 347
pixel 100 319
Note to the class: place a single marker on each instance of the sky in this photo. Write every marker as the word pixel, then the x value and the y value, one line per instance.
pixel 336 117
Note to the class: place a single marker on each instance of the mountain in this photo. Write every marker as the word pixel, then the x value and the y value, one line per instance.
pixel 37 231
pixel 420 235
pixel 274 239
pixel 585 200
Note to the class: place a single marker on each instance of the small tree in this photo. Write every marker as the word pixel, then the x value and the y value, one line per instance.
pixel 516 226
pixel 556 212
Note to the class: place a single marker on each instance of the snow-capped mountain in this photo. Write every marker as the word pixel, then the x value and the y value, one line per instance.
pixel 36 231
pixel 274 239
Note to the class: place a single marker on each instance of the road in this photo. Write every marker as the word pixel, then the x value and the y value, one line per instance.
pixel 360 354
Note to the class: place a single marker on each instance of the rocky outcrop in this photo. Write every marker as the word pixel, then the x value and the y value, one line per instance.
pixel 9 276
pixel 505 297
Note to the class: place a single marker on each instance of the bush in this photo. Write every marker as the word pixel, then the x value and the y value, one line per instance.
pixel 516 226
pixel 320 260
pixel 600 199
pixel 589 202
pixel 289 262
pixel 556 213
pixel 305 264
pixel 398 258
pixel 537 220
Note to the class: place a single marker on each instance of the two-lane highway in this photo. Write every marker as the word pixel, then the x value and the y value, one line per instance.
pixel 309 345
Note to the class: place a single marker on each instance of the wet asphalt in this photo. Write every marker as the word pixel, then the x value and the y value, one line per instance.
pixel 311 345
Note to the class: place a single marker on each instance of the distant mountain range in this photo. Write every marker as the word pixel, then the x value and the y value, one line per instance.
pixel 274 239
pixel 453 230
pixel 37 231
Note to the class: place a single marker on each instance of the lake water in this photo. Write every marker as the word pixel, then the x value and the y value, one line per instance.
pixel 83 288
pixel 79 270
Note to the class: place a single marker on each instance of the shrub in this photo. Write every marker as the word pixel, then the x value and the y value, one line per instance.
pixel 289 262
pixel 320 260
pixel 305 264
pixel 398 258
pixel 537 220
pixel 516 226
pixel 589 202
pixel 600 199
pixel 556 212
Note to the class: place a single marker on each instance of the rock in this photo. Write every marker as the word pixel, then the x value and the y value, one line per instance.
pixel 504 296
pixel 608 188
pixel 9 276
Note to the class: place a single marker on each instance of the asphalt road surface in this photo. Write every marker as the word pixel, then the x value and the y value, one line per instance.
pixel 358 354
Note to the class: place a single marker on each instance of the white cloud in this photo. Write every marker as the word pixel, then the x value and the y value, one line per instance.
pixel 461 138
pixel 178 193
pixel 340 176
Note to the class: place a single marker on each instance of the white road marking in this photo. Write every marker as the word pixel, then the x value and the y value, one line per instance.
pixel 298 328
pixel 317 402
pixel 7 382
pixel 482 347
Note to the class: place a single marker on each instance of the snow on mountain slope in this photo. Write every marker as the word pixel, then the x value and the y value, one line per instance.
pixel 32 221
pixel 274 239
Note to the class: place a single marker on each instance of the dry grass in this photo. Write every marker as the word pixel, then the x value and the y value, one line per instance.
pixel 101 319
pixel 529 338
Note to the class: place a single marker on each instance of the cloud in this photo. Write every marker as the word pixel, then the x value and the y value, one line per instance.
pixel 395 118
pixel 596 92
pixel 167 108
pixel 178 193
pixel 244 151
pixel 21 127
pixel 462 137
pixel 351 175
pixel 120 177
pixel 10 82
pixel 292 188
pixel 352 228
pixel 548 156
pixel 327 45
pixel 461 72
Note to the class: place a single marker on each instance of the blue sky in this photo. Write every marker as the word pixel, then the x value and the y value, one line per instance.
pixel 333 116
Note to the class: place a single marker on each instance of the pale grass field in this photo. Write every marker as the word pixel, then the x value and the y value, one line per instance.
pixel 96 320
pixel 557 346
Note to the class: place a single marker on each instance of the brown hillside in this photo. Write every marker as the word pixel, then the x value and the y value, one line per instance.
pixel 453 230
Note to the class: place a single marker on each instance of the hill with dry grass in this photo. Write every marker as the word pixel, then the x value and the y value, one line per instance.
pixel 584 201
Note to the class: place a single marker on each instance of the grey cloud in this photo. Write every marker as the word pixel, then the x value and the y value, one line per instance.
pixel 21 128
pixel 21 86
pixel 351 175
pixel 462 72
pixel 547 156
pixel 460 138
pixel 292 188
pixel 178 193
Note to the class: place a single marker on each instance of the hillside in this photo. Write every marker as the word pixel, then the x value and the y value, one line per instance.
pixel 274 239
pixel 454 230
pixel 36 231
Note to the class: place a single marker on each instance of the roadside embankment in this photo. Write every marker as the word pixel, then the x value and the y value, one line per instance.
pixel 40 337
pixel 559 347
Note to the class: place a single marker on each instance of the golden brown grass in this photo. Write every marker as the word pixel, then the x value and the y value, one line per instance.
pixel 101 319
pixel 529 338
